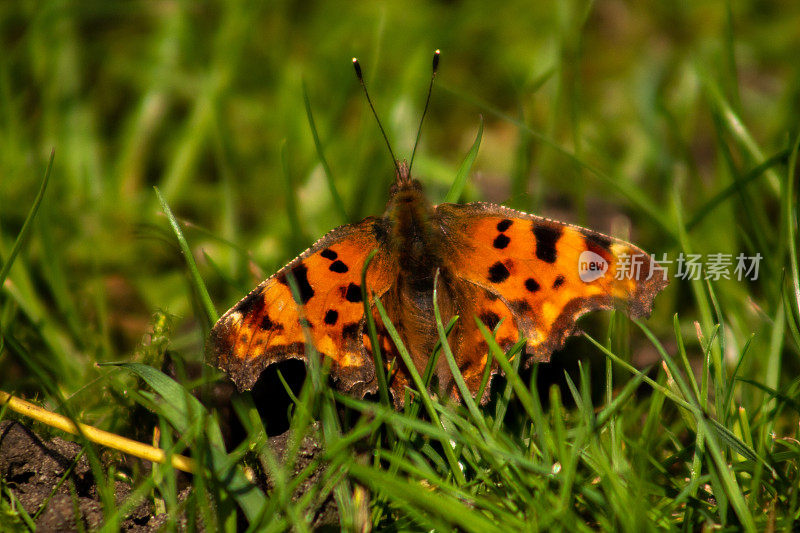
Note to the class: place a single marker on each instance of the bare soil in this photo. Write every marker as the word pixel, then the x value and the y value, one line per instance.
pixel 55 486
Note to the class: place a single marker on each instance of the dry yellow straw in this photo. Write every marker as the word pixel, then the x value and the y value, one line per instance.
pixel 98 436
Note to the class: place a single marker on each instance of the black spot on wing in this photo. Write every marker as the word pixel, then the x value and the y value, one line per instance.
pixel 559 281
pixel 351 330
pixel 252 303
pixel 338 267
pixel 596 240
pixel 380 230
pixel 520 307
pixel 353 293
pixel 546 239
pixel 331 316
pixel 504 224
pixel 300 273
pixel 267 324
pixel 498 273
pixel 327 253
pixel 532 285
pixel 490 319
pixel 501 241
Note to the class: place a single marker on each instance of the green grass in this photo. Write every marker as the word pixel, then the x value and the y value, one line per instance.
pixel 674 124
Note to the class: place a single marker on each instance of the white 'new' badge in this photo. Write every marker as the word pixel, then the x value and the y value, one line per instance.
pixel 591 266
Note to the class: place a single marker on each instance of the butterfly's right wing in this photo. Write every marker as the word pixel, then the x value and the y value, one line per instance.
pixel 268 325
pixel 534 266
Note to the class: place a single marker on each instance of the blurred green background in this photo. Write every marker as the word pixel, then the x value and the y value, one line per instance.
pixel 628 117
pixel 672 124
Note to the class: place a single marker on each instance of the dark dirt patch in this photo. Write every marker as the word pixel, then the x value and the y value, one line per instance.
pixel 326 515
pixel 34 471
pixel 52 478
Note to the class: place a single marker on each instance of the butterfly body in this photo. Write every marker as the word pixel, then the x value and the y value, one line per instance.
pixel 515 272
pixel 413 235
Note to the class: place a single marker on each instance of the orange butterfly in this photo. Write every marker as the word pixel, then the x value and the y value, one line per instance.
pixel 518 273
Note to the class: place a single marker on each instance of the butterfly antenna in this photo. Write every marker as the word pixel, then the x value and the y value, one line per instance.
pixel 360 77
pixel 425 111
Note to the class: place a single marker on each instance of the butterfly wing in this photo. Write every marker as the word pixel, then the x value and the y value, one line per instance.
pixel 545 273
pixel 268 325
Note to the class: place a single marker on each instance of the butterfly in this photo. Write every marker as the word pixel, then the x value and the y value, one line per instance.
pixel 521 275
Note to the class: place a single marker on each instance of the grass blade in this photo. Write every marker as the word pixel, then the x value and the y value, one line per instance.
pixel 435 504
pixel 466 395
pixel 26 226
pixel 297 237
pixel 183 408
pixel 739 183
pixel 790 209
pixel 337 200
pixel 423 392
pixel 198 283
pixel 457 188
pixel 377 357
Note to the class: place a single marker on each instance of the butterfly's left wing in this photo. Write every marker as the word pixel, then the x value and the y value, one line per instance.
pixel 540 274
pixel 268 325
